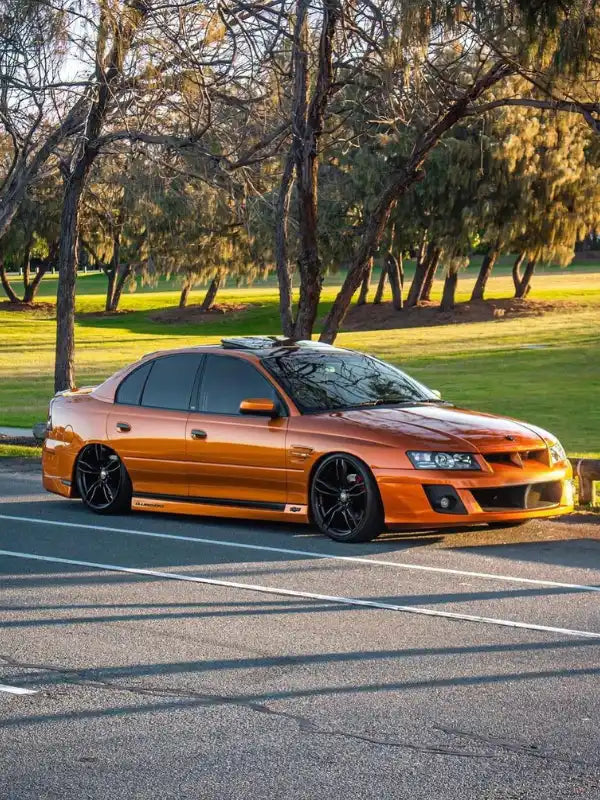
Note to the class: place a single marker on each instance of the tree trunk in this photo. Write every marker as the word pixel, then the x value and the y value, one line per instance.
pixel 365 286
pixel 395 270
pixel 67 277
pixel 525 283
pixel 516 272
pixel 487 265
pixel 398 184
pixel 113 272
pixel 26 269
pixel 449 294
pixel 417 286
pixel 33 286
pixel 110 288
pixel 10 292
pixel 307 127
pixel 431 273
pixel 124 273
pixel 381 285
pixel 211 292
pixel 184 296
pixel 282 264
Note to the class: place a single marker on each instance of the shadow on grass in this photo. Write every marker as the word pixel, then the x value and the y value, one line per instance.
pixel 261 318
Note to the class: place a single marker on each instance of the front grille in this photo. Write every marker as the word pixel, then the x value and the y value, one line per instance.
pixel 528 496
pixel 518 458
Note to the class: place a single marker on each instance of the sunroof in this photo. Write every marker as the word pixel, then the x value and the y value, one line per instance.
pixel 267 343
pixel 255 342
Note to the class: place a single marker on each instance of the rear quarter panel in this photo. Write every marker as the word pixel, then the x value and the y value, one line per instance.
pixel 76 420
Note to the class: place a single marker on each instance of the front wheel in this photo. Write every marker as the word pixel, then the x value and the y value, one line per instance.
pixel 102 480
pixel 344 500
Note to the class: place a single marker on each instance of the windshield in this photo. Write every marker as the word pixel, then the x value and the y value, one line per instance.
pixel 340 380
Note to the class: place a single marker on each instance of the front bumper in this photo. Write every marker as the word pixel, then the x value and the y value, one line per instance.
pixel 407 504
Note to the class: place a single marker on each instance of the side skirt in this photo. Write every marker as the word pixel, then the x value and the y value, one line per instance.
pixel 233 509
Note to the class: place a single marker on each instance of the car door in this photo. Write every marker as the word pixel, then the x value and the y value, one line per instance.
pixel 235 458
pixel 147 425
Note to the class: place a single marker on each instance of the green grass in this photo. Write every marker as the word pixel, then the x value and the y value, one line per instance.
pixel 490 366
pixel 19 451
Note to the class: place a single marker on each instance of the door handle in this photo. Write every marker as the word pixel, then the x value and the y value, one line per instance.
pixel 197 434
pixel 123 426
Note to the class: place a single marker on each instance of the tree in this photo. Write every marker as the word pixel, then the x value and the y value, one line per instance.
pixel 200 233
pixel 170 77
pixel 31 241
pixel 39 107
pixel 115 35
pixel 504 39
pixel 545 191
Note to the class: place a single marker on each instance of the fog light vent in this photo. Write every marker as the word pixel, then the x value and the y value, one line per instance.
pixel 444 499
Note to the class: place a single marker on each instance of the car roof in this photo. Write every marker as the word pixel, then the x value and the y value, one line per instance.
pixel 250 348
pixel 257 346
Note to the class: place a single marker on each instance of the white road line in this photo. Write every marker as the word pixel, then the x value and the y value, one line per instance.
pixel 327 598
pixel 310 554
pixel 16 689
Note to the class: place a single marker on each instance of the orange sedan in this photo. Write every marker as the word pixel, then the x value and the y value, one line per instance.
pixel 265 428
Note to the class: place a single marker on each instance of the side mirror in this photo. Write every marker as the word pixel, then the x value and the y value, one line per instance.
pixel 259 407
pixel 436 393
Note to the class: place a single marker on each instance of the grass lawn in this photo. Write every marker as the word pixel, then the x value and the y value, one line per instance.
pixel 542 369
pixel 19 451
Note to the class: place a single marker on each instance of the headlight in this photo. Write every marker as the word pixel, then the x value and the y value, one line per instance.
pixel 429 460
pixel 557 453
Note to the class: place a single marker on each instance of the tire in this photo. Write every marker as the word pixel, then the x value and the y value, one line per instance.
pixel 344 500
pixel 102 480
pixel 516 523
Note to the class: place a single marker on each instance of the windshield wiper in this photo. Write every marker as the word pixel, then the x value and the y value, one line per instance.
pixel 382 402
pixel 430 401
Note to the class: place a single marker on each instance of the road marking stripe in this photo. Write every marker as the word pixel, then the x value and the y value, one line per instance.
pixel 16 689
pixel 328 598
pixel 310 554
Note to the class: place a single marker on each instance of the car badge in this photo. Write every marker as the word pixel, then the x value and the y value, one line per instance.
pixel 510 438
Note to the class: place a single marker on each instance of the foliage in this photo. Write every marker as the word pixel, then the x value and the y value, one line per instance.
pixel 203 140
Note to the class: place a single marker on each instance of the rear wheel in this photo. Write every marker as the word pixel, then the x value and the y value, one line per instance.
pixel 345 501
pixel 102 480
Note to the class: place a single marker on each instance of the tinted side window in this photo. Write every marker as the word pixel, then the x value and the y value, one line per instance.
pixel 170 383
pixel 130 390
pixel 227 381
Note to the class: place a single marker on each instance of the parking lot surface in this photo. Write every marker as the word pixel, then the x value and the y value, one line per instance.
pixel 177 657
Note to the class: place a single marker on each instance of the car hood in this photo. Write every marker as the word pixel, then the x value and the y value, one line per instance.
pixel 446 426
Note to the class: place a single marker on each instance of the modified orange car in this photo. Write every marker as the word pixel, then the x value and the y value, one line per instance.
pixel 269 429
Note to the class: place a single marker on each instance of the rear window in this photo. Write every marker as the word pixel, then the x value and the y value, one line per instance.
pixel 130 390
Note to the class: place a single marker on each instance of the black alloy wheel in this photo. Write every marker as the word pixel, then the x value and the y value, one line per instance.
pixel 102 480
pixel 345 501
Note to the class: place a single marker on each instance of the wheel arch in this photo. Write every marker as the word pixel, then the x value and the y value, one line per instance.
pixel 322 458
pixel 75 493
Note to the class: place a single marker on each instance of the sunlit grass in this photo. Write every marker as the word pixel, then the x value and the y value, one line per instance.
pixel 489 365
pixel 19 451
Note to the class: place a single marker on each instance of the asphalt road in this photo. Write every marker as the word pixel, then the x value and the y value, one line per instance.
pixel 220 664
